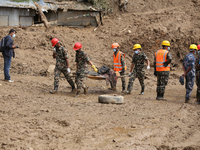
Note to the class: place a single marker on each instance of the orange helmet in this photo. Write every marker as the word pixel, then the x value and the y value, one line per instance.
pixel 115 45
pixel 54 41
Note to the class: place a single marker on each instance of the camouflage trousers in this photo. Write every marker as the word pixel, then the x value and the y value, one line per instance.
pixel 66 74
pixel 189 85
pixel 123 80
pixel 162 80
pixel 79 80
pixel 136 74
pixel 198 85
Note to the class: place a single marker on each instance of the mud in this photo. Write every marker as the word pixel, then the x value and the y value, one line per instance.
pixel 32 118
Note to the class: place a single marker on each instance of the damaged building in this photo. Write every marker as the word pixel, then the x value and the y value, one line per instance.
pixel 69 13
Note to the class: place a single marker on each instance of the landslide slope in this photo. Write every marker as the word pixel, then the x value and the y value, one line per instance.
pixel 146 22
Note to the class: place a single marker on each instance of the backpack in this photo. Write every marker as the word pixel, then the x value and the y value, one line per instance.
pixel 2 45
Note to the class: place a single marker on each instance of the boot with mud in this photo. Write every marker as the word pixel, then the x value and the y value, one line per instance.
pixel 73 90
pixel 123 89
pixel 77 93
pixel 187 99
pixel 198 98
pixel 158 96
pixel 128 92
pixel 85 89
pixel 162 96
pixel 54 90
pixel 142 91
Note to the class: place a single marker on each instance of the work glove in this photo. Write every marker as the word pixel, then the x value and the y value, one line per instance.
pixel 148 67
pixel 68 70
pixel 94 68
pixel 155 73
pixel 129 74
pixel 165 64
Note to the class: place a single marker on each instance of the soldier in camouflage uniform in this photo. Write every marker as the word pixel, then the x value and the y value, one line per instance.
pixel 162 62
pixel 139 70
pixel 62 65
pixel 197 68
pixel 81 65
pixel 123 5
pixel 189 71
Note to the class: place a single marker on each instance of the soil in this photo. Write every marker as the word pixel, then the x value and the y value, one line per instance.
pixel 32 118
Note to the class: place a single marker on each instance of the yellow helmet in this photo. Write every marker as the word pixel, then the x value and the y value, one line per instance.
pixel 166 43
pixel 193 46
pixel 137 46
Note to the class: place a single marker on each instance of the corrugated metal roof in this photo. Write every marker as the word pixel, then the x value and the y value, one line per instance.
pixel 47 6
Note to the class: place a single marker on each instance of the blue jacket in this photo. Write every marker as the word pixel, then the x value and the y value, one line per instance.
pixel 8 43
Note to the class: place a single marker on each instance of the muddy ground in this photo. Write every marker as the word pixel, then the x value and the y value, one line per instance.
pixel 32 118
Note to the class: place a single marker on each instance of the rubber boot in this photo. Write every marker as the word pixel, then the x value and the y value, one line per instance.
pixel 77 93
pixel 123 89
pixel 161 96
pixel 158 96
pixel 54 90
pixel 85 89
pixel 142 91
pixel 198 98
pixel 73 89
pixel 128 92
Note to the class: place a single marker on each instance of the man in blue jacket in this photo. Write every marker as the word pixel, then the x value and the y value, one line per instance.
pixel 8 53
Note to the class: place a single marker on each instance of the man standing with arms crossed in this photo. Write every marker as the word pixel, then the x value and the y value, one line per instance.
pixel 162 62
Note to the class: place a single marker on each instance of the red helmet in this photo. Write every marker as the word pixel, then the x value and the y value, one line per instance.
pixel 115 45
pixel 54 41
pixel 77 46
pixel 198 47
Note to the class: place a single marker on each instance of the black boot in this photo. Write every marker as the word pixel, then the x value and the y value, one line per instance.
pixel 162 96
pixel 54 90
pixel 198 98
pixel 123 89
pixel 158 96
pixel 128 92
pixel 73 89
pixel 142 90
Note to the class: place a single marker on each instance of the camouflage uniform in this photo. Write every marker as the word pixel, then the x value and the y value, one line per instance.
pixel 61 66
pixel 197 68
pixel 123 5
pixel 139 70
pixel 189 61
pixel 122 72
pixel 82 59
pixel 162 76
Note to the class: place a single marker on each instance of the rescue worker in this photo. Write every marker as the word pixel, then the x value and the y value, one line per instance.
pixel 189 71
pixel 62 65
pixel 197 68
pixel 119 64
pixel 162 62
pixel 139 70
pixel 82 60
pixel 123 5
